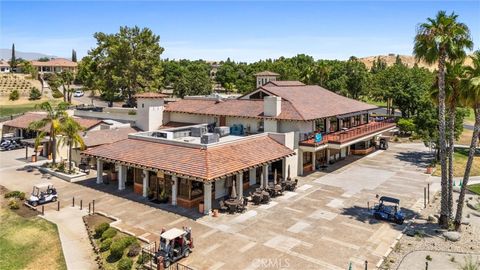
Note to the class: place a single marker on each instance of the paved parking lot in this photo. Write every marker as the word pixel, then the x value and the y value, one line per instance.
pixel 324 224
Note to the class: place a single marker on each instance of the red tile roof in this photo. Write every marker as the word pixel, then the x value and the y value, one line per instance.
pixel 285 83
pixel 230 107
pixel 206 164
pixel 313 101
pixel 25 120
pixel 150 95
pixel 57 62
pixel 266 73
pixel 105 136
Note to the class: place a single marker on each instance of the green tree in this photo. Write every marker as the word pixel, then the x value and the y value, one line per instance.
pixel 52 122
pixel 129 60
pixel 471 98
pixel 14 95
pixel 194 79
pixel 34 94
pixel 13 60
pixel 406 125
pixel 66 79
pixel 28 68
pixel 70 131
pixel 438 40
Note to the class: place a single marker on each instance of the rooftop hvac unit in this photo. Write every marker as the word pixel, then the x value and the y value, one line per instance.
pixel 222 131
pixel 199 131
pixel 209 138
pixel 160 134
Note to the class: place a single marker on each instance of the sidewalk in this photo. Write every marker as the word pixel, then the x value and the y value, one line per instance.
pixel 76 245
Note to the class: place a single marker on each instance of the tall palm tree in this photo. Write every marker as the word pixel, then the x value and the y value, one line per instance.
pixel 70 131
pixel 454 74
pixel 442 39
pixel 51 122
pixel 471 98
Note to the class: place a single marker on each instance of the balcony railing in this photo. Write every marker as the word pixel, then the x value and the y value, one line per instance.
pixel 351 134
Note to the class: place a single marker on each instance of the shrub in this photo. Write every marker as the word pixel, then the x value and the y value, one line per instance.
pixel 15 194
pixel 117 248
pixel 428 258
pixel 134 250
pixel 56 93
pixel 100 229
pixel 406 125
pixel 132 112
pixel 14 95
pixel 105 245
pixel 129 240
pixel 109 233
pixel 13 204
pixel 34 94
pixel 125 264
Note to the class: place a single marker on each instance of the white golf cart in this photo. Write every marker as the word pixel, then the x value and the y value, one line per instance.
pixel 174 245
pixel 42 193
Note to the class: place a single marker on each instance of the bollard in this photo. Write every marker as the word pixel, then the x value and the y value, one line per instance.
pixel 366 265
pixel 424 197
pixel 426 265
pixel 43 210
pixel 58 205
pixel 93 207
pixel 89 208
pixel 368 205
pixel 428 193
pixel 80 204
pixel 73 201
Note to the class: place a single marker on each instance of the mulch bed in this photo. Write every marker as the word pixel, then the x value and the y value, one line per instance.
pixel 23 211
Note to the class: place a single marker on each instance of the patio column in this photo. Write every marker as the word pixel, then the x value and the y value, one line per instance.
pixel 328 156
pixel 122 176
pixel 300 161
pixel 174 189
pixel 207 197
pixel 284 168
pixel 314 157
pixel 327 125
pixel 145 183
pixel 361 118
pixel 99 171
pixel 265 175
pixel 252 175
pixel 240 185
pixel 340 123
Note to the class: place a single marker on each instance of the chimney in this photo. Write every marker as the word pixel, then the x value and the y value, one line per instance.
pixel 272 106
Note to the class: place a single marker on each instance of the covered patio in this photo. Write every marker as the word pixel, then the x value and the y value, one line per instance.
pixel 189 177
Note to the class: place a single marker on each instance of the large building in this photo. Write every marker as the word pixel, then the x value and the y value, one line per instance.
pixel 194 150
pixel 55 65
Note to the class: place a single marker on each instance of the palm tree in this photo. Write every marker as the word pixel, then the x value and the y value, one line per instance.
pixel 438 40
pixel 52 123
pixel 70 129
pixel 471 98
pixel 453 87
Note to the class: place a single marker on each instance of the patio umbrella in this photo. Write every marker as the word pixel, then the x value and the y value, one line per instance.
pixel 288 177
pixel 234 191
pixel 275 177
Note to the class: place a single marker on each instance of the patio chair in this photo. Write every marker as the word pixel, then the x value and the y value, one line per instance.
pixel 257 199
pixel 266 198
pixel 223 207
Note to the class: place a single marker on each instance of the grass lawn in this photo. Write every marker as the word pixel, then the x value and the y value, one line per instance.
pixel 28 243
pixel 470 119
pixel 21 106
pixel 459 161
pixel 475 188
pixel 376 103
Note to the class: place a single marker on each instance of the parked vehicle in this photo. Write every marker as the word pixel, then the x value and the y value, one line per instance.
pixel 42 193
pixel 78 93
pixel 8 145
pixel 388 208
pixel 174 245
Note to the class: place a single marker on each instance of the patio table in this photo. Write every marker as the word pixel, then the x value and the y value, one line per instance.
pixel 232 205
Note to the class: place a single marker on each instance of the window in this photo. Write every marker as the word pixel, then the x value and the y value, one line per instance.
pixel 320 125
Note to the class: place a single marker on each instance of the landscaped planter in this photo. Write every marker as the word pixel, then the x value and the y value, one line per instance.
pixel 77 176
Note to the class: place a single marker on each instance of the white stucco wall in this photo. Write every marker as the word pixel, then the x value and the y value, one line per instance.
pixel 250 124
pixel 149 113
pixel 288 139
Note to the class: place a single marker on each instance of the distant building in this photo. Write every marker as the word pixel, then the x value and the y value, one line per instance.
pixel 4 66
pixel 55 65
pixel 264 77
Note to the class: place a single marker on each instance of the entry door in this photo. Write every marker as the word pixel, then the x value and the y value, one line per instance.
pixel 223 121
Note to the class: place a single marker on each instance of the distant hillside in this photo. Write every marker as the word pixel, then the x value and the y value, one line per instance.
pixel 6 54
pixel 409 60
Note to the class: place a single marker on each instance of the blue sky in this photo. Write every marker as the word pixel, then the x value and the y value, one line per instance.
pixel 243 31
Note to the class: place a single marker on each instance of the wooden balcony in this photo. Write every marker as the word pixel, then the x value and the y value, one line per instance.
pixel 351 134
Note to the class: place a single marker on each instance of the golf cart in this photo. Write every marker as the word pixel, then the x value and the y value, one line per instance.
pixel 174 245
pixel 388 208
pixel 42 193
